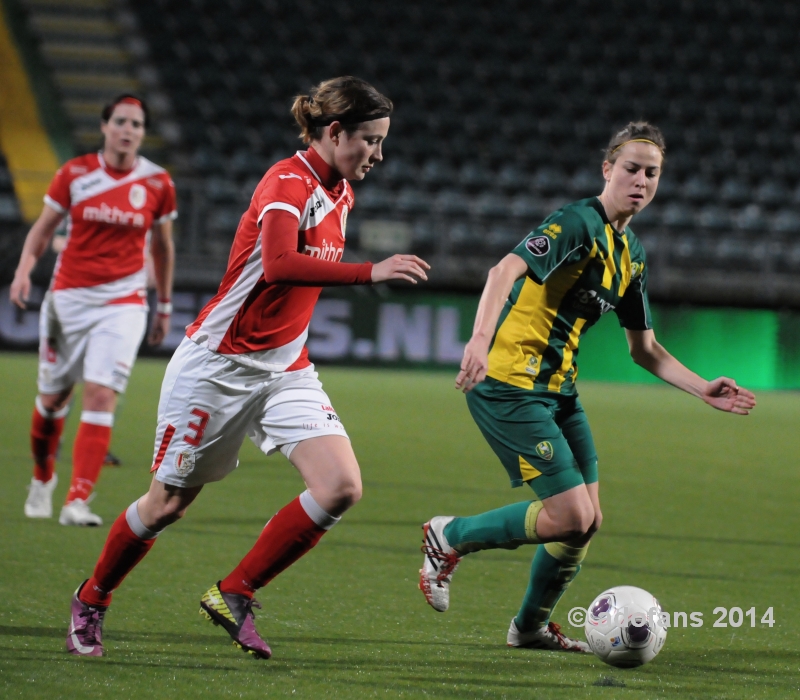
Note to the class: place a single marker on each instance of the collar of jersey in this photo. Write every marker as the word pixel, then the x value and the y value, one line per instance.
pixel 114 172
pixel 320 169
pixel 598 206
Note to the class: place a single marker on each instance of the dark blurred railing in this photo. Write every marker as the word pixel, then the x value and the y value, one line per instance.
pixel 691 263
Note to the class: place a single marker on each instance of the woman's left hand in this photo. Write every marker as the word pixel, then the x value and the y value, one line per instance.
pixel 724 394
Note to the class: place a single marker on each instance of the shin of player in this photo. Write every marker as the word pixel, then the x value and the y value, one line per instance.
pixel 46 428
pixel 243 369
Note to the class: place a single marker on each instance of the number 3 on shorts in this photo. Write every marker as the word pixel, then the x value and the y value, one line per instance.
pixel 199 428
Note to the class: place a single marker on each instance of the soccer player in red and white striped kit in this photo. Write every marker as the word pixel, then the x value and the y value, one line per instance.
pixel 94 315
pixel 243 369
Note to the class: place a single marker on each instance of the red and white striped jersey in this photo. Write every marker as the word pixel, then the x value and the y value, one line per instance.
pixel 110 212
pixel 263 324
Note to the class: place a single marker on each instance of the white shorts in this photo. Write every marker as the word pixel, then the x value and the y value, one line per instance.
pixel 90 343
pixel 209 403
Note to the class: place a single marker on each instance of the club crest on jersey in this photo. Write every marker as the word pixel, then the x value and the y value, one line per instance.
pixel 545 450
pixel 637 268
pixel 538 246
pixel 344 220
pixel 533 366
pixel 184 463
pixel 137 196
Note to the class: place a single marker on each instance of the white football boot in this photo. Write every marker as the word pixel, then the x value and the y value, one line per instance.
pixel 549 638
pixel 39 503
pixel 77 513
pixel 440 563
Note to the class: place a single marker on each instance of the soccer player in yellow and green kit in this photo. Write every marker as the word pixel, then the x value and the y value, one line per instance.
pixel 519 373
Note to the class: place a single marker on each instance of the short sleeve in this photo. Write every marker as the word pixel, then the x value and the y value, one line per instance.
pixel 633 310
pixel 282 190
pixel 168 209
pixel 561 240
pixel 57 196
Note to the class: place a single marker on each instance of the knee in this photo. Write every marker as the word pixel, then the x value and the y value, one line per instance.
pixel 52 403
pixel 591 530
pixel 598 521
pixel 342 496
pixel 348 493
pixel 98 398
pixel 577 523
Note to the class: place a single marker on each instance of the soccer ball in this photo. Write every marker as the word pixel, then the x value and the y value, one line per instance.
pixel 625 626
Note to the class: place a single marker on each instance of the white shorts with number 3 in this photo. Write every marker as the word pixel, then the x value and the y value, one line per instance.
pixel 209 403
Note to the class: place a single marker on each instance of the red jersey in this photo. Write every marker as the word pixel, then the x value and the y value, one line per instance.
pixel 265 323
pixel 110 212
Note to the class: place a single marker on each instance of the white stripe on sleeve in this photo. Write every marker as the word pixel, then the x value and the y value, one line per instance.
pixel 50 202
pixel 167 217
pixel 278 205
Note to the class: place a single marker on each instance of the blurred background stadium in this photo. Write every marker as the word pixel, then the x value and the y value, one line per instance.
pixel 502 112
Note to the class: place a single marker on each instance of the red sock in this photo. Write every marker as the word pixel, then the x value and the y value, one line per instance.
pixel 123 550
pixel 88 455
pixel 45 437
pixel 286 538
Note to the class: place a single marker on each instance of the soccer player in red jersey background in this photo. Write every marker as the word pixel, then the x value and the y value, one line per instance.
pixel 94 316
pixel 243 369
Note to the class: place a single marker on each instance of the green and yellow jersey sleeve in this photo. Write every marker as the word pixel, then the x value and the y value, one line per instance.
pixel 562 240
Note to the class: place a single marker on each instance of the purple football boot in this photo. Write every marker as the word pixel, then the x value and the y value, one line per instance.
pixel 85 636
pixel 235 613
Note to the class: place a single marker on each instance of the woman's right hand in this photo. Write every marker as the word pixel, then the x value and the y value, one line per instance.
pixel 400 267
pixel 20 290
pixel 36 243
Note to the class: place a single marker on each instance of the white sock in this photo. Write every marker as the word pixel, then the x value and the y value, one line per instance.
pixel 315 512
pixel 104 418
pixel 135 523
pixel 44 413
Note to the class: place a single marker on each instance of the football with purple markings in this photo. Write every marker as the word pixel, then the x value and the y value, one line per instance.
pixel 626 627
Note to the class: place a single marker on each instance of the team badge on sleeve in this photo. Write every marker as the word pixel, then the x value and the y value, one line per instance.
pixel 538 246
pixel 137 196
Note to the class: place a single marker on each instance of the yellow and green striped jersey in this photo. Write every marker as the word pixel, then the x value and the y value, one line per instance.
pixel 579 268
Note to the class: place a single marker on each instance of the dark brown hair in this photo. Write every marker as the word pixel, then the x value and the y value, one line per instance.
pixel 633 132
pixel 348 100
pixel 108 110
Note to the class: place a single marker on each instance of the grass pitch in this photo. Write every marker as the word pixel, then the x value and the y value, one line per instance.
pixel 700 509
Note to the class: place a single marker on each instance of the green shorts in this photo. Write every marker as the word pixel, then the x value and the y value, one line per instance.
pixel 543 440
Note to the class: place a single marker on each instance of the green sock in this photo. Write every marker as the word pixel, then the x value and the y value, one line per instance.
pixel 554 567
pixel 504 528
